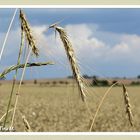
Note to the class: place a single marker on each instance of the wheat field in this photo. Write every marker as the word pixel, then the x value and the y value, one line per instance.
pixel 59 109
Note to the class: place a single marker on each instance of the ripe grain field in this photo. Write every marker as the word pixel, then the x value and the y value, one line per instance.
pixel 59 109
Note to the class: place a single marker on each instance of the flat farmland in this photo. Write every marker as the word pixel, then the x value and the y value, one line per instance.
pixel 60 109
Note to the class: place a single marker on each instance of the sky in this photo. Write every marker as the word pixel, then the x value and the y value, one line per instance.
pixel 106 41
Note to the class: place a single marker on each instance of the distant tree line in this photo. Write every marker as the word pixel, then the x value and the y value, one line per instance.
pixel 135 83
pixel 97 82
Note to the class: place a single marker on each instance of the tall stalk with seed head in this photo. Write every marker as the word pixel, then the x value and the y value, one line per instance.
pixel 31 43
pixel 72 59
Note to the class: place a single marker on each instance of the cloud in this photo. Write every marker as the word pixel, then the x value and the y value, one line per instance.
pixel 109 52
pixel 127 50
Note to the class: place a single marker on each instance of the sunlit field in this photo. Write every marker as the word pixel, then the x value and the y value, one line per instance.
pixel 51 109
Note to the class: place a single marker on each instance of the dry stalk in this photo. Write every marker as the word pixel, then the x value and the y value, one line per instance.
pixel 5 114
pixel 72 59
pixel 26 29
pixel 19 87
pixel 15 76
pixel 26 124
pixel 100 104
pixel 128 105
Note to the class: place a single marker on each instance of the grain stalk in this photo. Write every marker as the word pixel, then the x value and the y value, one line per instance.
pixel 100 104
pixel 128 105
pixel 15 76
pixel 20 83
pixel 26 124
pixel 72 59
pixel 5 114
pixel 18 91
pixel 33 49
pixel 25 28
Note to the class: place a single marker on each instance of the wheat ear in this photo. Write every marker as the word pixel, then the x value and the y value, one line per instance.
pixel 25 27
pixel 128 105
pixel 72 59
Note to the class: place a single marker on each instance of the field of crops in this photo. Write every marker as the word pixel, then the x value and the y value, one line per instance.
pixel 57 109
